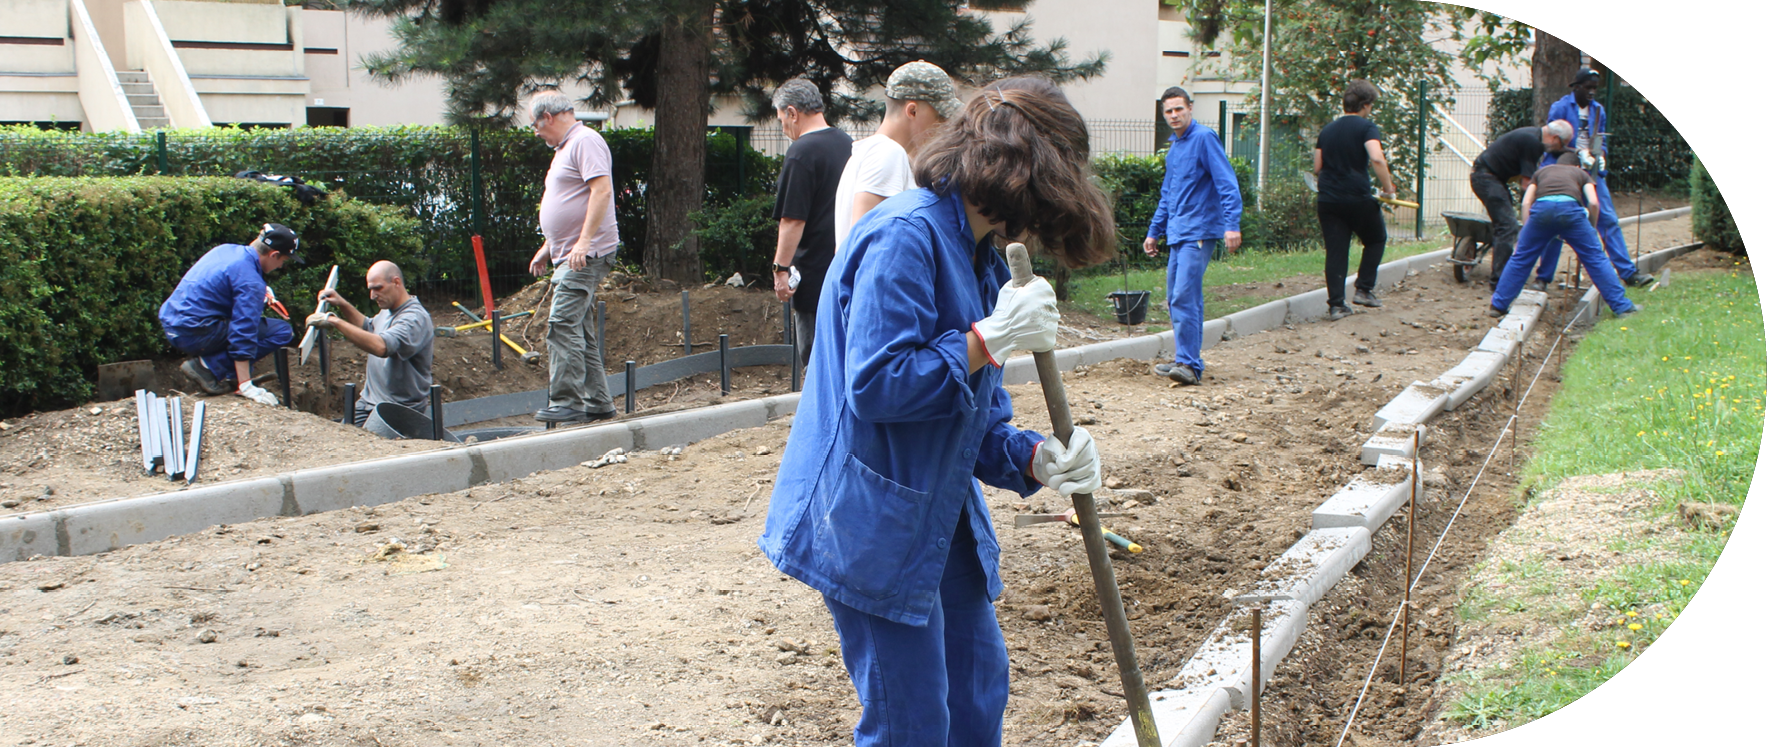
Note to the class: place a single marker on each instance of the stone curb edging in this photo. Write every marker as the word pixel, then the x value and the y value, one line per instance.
pixel 1588 308
pixel 1190 709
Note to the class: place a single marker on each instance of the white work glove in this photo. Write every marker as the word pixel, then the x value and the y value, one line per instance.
pixel 320 319
pixel 1070 469
pixel 257 394
pixel 1024 318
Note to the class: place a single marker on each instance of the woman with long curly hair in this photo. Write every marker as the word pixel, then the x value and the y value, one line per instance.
pixel 876 504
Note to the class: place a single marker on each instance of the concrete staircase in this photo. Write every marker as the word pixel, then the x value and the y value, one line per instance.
pixel 144 99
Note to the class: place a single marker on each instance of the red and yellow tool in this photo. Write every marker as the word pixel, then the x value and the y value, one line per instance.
pixel 1071 518
pixel 275 305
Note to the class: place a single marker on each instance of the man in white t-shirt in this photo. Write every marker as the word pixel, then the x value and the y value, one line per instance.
pixel 918 97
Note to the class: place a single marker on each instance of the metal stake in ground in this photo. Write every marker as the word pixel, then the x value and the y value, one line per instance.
pixel 350 403
pixel 724 364
pixel 497 339
pixel 1110 599
pixel 282 376
pixel 435 411
pixel 1257 668
pixel 1410 543
pixel 631 385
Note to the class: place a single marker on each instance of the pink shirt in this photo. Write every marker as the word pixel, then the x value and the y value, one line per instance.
pixel 582 155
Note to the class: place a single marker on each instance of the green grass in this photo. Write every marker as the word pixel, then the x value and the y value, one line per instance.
pixel 1088 292
pixel 1678 386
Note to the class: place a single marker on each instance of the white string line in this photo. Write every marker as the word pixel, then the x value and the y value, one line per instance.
pixel 1412 582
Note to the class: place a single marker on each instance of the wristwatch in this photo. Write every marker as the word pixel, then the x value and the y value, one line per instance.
pixel 777 267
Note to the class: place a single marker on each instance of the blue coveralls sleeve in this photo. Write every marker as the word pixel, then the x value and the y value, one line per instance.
pixel 900 368
pixel 1157 227
pixel 1226 183
pixel 1006 451
pixel 248 308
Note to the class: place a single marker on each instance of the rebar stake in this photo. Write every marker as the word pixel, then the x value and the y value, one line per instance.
pixel 435 411
pixel 497 339
pixel 350 403
pixel 1257 668
pixel 1410 544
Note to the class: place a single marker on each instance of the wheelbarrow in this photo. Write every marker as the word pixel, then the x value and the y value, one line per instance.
pixel 1472 239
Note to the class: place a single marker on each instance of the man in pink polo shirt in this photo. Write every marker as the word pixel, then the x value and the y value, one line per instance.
pixel 577 219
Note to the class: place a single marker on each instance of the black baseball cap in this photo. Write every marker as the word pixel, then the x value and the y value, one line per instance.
pixel 281 238
pixel 1585 75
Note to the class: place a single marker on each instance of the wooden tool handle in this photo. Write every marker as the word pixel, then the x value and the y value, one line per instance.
pixel 1104 577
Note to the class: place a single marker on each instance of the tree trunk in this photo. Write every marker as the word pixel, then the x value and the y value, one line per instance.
pixel 678 162
pixel 1555 66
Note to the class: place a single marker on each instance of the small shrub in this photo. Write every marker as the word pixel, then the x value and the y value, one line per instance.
pixel 1712 223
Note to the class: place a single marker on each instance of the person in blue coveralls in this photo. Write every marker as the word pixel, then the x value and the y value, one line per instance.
pixel 216 314
pixel 1562 203
pixel 1587 116
pixel 1199 206
pixel 877 504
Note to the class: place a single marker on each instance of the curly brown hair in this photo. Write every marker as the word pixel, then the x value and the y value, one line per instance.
pixel 1020 153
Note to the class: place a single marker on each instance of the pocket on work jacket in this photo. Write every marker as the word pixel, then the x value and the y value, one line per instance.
pixel 869 530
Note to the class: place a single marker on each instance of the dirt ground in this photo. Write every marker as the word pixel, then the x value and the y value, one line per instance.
pixel 628 604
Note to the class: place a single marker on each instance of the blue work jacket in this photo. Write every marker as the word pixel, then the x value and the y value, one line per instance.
pixel 892 430
pixel 1199 198
pixel 225 286
pixel 1566 109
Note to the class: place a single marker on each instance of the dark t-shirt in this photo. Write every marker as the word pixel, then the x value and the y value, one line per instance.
pixel 1512 154
pixel 1343 159
pixel 1561 180
pixel 807 183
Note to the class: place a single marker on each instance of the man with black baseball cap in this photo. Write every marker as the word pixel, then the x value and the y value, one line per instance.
pixel 216 315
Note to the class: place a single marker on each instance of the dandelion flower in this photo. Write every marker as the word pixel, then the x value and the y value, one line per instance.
pixel 1631 613
pixel 1685 582
pixel 1635 627
pixel 1623 644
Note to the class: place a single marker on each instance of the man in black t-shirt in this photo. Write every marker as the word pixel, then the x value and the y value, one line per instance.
pixel 804 203
pixel 1513 156
pixel 1345 151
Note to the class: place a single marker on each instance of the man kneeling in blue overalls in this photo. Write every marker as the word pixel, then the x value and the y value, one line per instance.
pixel 1560 204
pixel 216 315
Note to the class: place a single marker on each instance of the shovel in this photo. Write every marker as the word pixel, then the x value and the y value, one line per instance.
pixel 1110 599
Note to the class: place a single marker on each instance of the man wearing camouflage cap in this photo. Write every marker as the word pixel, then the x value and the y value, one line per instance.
pixel 918 98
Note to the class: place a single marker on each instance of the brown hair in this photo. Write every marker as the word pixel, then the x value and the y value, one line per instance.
pixel 1020 153
pixel 1358 94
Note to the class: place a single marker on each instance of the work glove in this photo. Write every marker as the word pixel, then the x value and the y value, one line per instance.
pixel 1024 318
pixel 257 394
pixel 320 319
pixel 1067 469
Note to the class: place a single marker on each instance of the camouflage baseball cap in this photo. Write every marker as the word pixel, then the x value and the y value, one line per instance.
pixel 925 82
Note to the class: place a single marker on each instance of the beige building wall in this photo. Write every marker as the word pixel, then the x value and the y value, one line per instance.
pixel 335 45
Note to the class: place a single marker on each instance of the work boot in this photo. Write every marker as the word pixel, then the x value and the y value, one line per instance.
pixel 1337 312
pixel 1629 312
pixel 1182 374
pixel 199 371
pixel 1537 285
pixel 1496 313
pixel 1365 298
pixel 1640 279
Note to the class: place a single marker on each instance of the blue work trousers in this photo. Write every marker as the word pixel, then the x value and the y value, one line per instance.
pixel 1549 222
pixel 1184 299
pixel 941 685
pixel 210 343
pixel 1607 224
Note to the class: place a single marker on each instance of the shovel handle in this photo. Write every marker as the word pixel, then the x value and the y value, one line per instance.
pixel 1104 577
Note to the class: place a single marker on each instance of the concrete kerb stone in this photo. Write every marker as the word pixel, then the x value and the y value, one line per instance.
pixel 1260 318
pixel 1501 341
pixel 1311 566
pixel 1184 718
pixel 23 536
pixel 1214 331
pixel 1308 307
pixel 1394 439
pixel 1470 376
pixel 382 480
pixel 1369 499
pixel 1228 650
pixel 1417 404
pixel 510 458
pixel 101 527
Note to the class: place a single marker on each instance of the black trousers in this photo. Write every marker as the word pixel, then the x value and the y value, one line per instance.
pixel 1337 221
pixel 1501 207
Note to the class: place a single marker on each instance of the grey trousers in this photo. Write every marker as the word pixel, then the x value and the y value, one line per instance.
pixel 578 378
pixel 804 330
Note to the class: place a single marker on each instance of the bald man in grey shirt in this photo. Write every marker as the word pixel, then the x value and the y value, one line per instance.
pixel 400 340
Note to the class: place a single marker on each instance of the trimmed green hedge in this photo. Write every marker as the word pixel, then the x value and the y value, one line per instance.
pixel 1645 151
pixel 423 170
pixel 1712 223
pixel 86 262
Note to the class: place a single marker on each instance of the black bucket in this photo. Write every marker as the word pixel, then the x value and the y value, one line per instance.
pixel 393 420
pixel 1131 306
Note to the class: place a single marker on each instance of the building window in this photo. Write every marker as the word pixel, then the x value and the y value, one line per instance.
pixel 1172 53
pixel 328 116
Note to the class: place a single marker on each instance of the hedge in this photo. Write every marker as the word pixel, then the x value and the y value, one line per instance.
pixel 1712 222
pixel 423 170
pixel 1645 151
pixel 86 262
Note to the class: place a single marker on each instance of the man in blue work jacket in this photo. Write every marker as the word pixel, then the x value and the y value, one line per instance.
pixel 1580 108
pixel 1199 205
pixel 216 314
